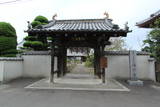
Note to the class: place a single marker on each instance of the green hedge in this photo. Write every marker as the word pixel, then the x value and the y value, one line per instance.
pixel 35 23
pixel 41 19
pixel 30 38
pixel 6 29
pixel 8 45
pixel 36 45
pixel 90 61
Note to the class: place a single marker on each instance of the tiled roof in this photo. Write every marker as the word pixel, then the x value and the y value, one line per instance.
pixel 37 53
pixel 146 23
pixel 11 59
pixel 124 53
pixel 80 25
pixel 106 53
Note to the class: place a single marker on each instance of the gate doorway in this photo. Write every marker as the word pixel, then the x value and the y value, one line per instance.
pixel 92 33
pixel 80 62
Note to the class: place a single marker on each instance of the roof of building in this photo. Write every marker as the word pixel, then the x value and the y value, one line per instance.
pixel 79 25
pixel 106 53
pixel 147 22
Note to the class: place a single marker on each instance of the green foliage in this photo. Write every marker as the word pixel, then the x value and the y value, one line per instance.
pixel 7 29
pixel 35 23
pixel 30 38
pixel 90 61
pixel 152 43
pixel 7 45
pixel 8 40
pixel 34 42
pixel 27 44
pixel 35 45
pixel 41 19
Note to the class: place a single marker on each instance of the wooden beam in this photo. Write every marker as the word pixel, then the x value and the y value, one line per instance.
pixel 103 69
pixel 95 56
pixel 52 64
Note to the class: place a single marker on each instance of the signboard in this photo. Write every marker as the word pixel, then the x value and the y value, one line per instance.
pixel 103 62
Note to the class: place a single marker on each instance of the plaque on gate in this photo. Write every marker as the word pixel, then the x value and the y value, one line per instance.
pixel 103 62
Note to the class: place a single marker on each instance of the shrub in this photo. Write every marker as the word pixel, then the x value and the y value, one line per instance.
pixel 41 19
pixel 90 61
pixel 35 23
pixel 30 38
pixel 34 42
pixel 37 45
pixel 8 55
pixel 27 44
pixel 7 45
pixel 7 29
pixel 10 51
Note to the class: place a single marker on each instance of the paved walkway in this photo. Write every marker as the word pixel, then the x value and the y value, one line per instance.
pixel 80 78
pixel 80 72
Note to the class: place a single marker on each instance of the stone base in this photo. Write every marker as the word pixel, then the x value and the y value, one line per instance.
pixel 135 82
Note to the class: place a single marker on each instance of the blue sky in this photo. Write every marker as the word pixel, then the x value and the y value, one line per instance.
pixel 119 10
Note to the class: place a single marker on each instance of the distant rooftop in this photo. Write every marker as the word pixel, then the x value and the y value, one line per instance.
pixel 147 22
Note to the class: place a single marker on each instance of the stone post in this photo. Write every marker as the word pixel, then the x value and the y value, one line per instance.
pixel 133 69
pixel 133 65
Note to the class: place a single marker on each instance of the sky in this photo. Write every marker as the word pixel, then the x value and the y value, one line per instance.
pixel 121 11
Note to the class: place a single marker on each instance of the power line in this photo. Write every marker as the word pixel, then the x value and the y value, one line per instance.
pixel 8 2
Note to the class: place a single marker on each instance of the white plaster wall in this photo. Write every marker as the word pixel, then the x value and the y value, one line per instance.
pixel 145 68
pixel 37 65
pixel 118 67
pixel 1 70
pixel 12 70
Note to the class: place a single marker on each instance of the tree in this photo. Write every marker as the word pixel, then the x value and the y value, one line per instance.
pixel 117 44
pixel 8 40
pixel 152 43
pixel 33 42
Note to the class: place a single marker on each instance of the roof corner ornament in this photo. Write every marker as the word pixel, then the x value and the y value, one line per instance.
pixel 29 25
pixel 126 26
pixel 54 16
pixel 106 15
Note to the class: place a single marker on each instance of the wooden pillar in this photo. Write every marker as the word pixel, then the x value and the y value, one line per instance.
pixel 97 61
pixel 95 56
pixel 103 69
pixel 61 58
pixel 52 63
pixel 65 61
pixel 58 65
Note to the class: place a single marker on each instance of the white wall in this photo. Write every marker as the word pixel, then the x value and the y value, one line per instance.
pixel 37 65
pixel 1 70
pixel 10 69
pixel 118 67
pixel 40 66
